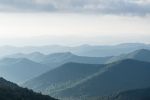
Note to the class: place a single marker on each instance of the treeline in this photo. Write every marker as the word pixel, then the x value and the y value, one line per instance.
pixel 10 91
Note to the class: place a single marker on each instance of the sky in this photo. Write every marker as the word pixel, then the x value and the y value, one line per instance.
pixel 74 22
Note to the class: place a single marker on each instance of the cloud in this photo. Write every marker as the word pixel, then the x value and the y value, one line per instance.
pixel 123 7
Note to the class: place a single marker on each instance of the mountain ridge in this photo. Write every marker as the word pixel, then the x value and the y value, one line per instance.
pixel 137 70
pixel 20 69
pixel 82 50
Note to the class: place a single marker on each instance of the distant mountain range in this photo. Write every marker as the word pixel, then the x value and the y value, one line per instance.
pixel 34 56
pixel 83 50
pixel 56 59
pixel 63 76
pixel 74 71
pixel 11 91
pixel 34 64
pixel 20 69
pixel 105 80
pixel 141 55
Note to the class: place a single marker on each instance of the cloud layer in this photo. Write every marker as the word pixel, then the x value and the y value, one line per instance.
pixel 123 7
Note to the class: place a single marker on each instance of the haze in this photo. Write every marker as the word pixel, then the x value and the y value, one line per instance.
pixel 74 22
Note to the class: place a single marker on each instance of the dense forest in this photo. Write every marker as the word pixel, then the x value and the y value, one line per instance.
pixel 10 91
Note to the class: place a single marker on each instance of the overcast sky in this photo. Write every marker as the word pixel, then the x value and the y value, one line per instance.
pixel 74 22
pixel 131 7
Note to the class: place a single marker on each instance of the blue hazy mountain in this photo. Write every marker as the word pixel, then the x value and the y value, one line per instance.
pixel 9 50
pixel 34 56
pixel 62 58
pixel 83 50
pixel 141 55
pixel 20 69
pixel 11 91
pixel 104 80
pixel 63 76
pixel 57 59
pixel 20 62
pixel 109 50
pixel 122 75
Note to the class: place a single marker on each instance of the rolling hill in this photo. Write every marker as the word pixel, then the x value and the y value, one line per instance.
pixel 11 91
pixel 66 57
pixel 63 76
pixel 141 55
pixel 20 69
pixel 104 80
pixel 34 56
pixel 119 76
pixel 57 59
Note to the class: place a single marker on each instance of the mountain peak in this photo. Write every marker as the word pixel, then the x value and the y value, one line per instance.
pixel 142 50
pixel 140 53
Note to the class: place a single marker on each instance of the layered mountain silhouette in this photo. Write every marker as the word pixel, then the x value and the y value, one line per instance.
pixel 123 75
pixel 58 59
pixel 69 57
pixel 11 91
pixel 83 50
pixel 108 50
pixel 141 55
pixel 40 63
pixel 63 76
pixel 105 80
pixel 34 56
pixel 20 69
pixel 71 74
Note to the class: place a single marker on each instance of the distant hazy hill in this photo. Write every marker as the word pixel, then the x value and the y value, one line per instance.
pixel 108 50
pixel 69 57
pixel 103 80
pixel 63 76
pixel 123 75
pixel 34 56
pixel 20 69
pixel 83 50
pixel 58 59
pixel 17 63
pixel 141 55
pixel 10 91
